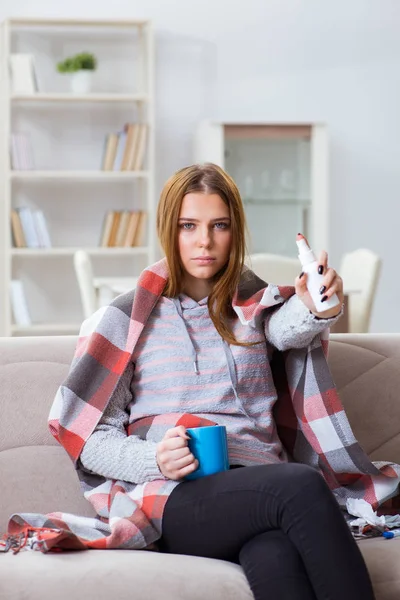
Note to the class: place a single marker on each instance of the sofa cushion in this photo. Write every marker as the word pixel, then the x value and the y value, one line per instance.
pixel 56 485
pixel 137 574
pixel 382 558
pixel 366 370
pixel 119 574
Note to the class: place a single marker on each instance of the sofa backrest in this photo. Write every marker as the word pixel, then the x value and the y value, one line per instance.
pixel 36 474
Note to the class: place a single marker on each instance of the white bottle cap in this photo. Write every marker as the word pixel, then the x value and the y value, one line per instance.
pixel 306 255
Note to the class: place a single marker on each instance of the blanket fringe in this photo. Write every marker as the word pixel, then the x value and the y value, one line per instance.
pixel 31 538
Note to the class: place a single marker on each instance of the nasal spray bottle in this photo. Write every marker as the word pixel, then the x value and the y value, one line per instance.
pixel 314 279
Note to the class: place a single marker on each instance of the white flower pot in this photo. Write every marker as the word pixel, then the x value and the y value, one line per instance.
pixel 81 82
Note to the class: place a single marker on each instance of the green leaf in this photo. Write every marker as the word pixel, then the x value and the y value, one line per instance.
pixel 78 62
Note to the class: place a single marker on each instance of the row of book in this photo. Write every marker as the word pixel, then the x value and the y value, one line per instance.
pixel 21 152
pixel 29 228
pixel 125 150
pixel 123 228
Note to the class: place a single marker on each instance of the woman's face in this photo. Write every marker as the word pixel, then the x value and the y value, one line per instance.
pixel 205 239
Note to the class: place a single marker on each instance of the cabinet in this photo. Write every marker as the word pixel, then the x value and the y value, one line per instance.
pixel 67 134
pixel 282 173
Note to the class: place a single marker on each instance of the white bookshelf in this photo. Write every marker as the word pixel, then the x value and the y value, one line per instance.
pixel 67 132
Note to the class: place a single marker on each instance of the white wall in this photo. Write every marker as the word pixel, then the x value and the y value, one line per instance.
pixel 307 60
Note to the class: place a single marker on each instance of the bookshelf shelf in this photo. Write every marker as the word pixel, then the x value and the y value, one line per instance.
pixel 75 23
pixel 73 163
pixel 78 175
pixel 53 252
pixel 58 98
pixel 45 328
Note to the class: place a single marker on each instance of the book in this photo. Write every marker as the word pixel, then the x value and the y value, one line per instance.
pixel 41 229
pixel 19 304
pixel 110 151
pixel 133 137
pixel 29 227
pixel 140 230
pixel 135 143
pixel 17 231
pixel 23 74
pixel 141 148
pixel 114 228
pixel 106 230
pixel 122 228
pixel 128 146
pixel 131 229
pixel 122 135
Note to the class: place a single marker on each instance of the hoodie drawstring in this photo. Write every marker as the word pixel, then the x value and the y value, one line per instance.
pixel 228 354
pixel 188 339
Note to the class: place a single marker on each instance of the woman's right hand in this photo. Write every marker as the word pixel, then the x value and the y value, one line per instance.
pixel 173 456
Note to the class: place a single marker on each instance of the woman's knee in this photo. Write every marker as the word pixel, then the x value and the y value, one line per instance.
pixel 274 544
pixel 290 477
pixel 304 476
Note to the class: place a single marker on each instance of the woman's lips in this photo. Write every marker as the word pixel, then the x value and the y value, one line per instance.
pixel 204 260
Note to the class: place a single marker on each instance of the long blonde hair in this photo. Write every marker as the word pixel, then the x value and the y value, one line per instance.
pixel 207 179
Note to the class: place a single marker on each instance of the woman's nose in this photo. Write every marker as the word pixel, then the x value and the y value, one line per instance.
pixel 204 237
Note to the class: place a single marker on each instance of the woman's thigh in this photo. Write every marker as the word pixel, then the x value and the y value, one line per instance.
pixel 214 516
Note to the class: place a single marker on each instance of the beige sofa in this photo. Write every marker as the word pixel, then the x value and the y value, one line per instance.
pixel 37 476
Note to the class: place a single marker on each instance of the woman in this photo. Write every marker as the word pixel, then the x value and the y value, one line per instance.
pixel 196 359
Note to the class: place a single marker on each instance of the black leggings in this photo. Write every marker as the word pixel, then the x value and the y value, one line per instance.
pixel 280 522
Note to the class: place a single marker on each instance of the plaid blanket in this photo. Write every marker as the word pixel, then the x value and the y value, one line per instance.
pixel 310 419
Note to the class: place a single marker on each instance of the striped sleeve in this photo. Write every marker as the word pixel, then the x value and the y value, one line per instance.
pixel 293 326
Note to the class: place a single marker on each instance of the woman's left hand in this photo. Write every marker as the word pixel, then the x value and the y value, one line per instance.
pixel 331 284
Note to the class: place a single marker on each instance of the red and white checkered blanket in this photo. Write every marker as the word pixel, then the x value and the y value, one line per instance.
pixel 310 419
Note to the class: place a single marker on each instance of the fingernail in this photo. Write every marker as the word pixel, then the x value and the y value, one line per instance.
pixel 320 269
pixel 324 298
pixel 322 289
pixel 301 274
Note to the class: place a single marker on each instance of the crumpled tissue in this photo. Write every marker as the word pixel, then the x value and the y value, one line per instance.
pixel 368 523
pixel 363 510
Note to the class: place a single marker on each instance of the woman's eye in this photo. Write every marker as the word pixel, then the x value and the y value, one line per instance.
pixel 221 225
pixel 187 226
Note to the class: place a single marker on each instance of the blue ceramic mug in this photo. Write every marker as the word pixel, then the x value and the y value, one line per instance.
pixel 210 446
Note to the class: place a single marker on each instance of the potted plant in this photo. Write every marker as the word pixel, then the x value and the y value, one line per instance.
pixel 81 67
